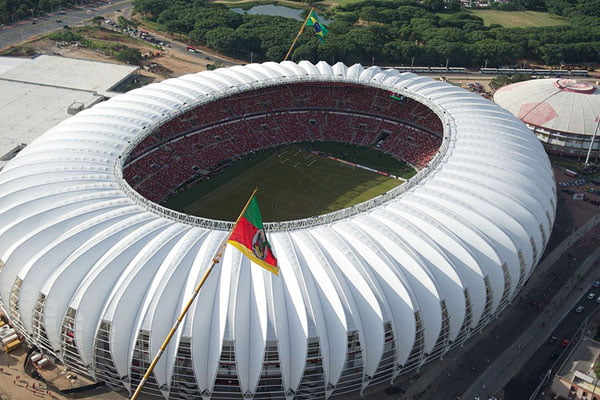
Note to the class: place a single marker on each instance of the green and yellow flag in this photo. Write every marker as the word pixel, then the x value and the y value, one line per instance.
pixel 320 29
pixel 248 236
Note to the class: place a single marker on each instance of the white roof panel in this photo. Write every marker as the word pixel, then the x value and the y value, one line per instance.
pixel 564 105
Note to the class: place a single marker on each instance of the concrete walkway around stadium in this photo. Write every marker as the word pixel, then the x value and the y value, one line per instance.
pixel 503 368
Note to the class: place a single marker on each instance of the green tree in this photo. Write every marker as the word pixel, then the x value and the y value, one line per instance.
pixel 496 52
pixel 502 80
pixel 499 81
pixel 589 8
pixel 150 7
pixel 453 5
pixel 364 41
pixel 129 55
pixel 65 36
pixel 434 5
pixel 97 20
pixel 223 39
pixel 552 54
pixel 276 53
pixel 306 51
pixel 402 52
pixel 44 5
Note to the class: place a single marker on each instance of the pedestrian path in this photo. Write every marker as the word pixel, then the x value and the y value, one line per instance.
pixel 425 383
pixel 503 369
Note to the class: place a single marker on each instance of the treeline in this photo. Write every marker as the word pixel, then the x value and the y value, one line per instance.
pixel 384 32
pixel 567 8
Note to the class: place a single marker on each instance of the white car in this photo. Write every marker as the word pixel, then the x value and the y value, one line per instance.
pixel 591 296
pixel 579 309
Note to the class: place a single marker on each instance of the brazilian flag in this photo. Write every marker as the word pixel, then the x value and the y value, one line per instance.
pixel 320 29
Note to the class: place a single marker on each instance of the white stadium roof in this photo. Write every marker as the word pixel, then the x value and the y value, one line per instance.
pixel 446 251
pixel 564 105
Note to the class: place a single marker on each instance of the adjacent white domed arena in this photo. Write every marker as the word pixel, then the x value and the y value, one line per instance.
pixel 563 113
pixel 95 274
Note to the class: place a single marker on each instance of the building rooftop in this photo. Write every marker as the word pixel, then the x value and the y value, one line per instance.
pixel 37 93
pixel 8 63
pixel 82 74
pixel 563 105
pixel 579 367
pixel 28 110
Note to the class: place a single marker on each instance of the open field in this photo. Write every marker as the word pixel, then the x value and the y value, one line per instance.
pixel 293 183
pixel 519 19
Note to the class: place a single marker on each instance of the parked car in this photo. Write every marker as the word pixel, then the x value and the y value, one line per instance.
pixel 579 309
pixel 597 284
pixel 591 296
pixel 552 340
pixel 565 343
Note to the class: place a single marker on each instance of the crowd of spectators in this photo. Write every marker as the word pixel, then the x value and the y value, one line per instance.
pixel 198 141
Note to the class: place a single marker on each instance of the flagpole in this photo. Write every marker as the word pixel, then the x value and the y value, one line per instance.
pixel 298 35
pixel 243 211
pixel 216 259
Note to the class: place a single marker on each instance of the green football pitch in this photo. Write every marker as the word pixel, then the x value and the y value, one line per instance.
pixel 292 183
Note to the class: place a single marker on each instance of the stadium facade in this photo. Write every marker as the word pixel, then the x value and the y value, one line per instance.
pixel 563 113
pixel 94 273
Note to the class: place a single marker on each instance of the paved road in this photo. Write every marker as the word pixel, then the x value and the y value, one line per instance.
pixel 25 30
pixel 551 355
pixel 179 47
pixel 523 350
pixel 456 374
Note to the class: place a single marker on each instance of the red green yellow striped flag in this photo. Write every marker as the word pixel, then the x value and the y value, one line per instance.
pixel 248 236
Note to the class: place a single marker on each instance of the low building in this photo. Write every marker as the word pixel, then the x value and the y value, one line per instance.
pixel 576 379
pixel 37 94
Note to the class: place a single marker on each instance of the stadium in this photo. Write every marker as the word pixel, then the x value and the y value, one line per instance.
pixel 94 270
pixel 563 113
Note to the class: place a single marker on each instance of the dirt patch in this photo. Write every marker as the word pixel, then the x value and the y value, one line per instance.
pixel 15 384
pixel 171 62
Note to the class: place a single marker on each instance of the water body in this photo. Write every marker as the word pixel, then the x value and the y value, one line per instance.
pixel 276 11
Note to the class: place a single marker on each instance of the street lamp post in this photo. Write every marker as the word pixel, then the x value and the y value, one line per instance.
pixel 587 158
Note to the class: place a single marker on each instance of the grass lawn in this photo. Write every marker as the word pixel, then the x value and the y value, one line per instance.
pixel 293 183
pixel 519 19
pixel 566 162
pixel 573 164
